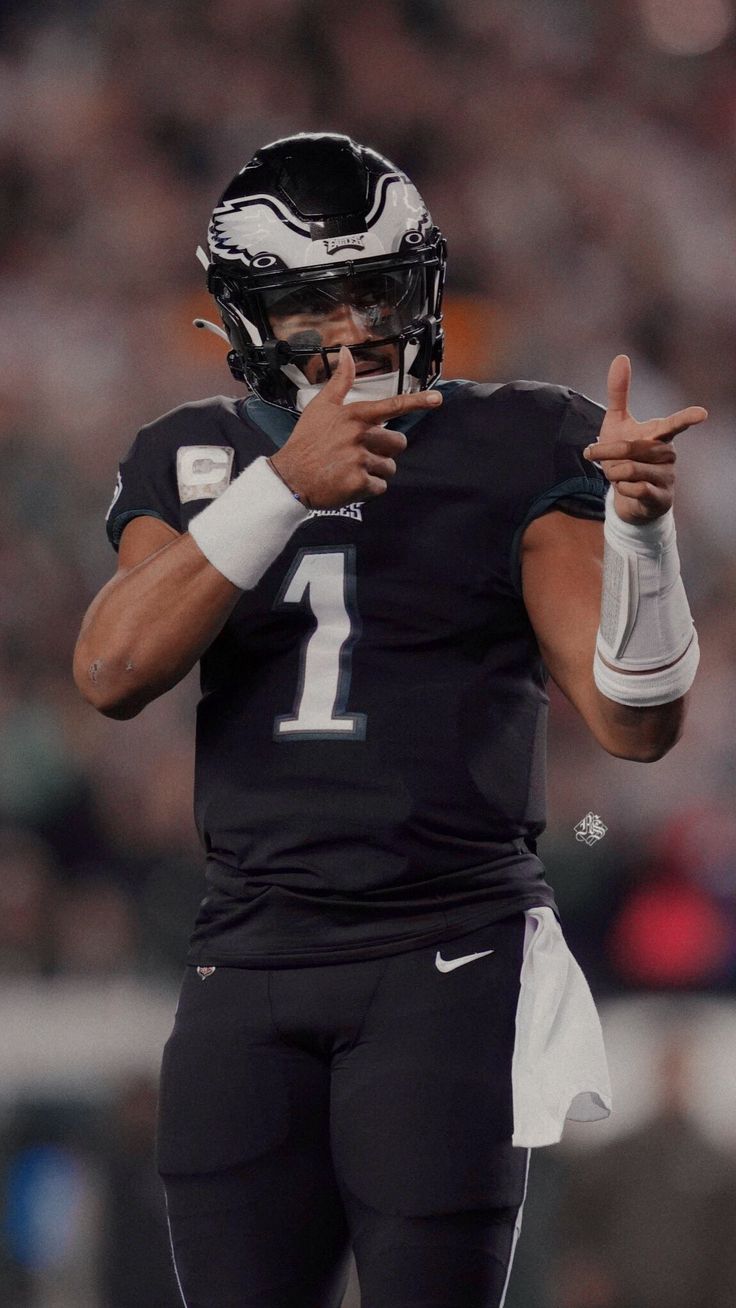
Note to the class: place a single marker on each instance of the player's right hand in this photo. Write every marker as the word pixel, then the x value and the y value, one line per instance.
pixel 339 453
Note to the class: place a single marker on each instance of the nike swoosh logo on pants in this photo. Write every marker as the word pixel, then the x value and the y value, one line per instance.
pixel 449 964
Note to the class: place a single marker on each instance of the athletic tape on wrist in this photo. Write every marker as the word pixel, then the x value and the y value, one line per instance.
pixel 646 629
pixel 245 529
pixel 647 689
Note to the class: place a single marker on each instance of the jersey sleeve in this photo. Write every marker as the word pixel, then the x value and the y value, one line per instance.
pixel 562 478
pixel 146 485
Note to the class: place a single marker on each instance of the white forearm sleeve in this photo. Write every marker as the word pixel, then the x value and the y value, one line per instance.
pixel 645 617
pixel 246 528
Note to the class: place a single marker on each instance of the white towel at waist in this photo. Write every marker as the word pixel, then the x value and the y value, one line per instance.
pixel 559 1069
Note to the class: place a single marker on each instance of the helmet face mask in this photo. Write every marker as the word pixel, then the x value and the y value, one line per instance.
pixel 378 302
pixel 288 309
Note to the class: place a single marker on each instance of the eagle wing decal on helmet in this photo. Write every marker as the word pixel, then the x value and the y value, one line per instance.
pixel 408 195
pixel 256 223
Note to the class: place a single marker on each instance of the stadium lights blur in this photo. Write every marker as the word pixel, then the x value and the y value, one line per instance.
pixel 687 27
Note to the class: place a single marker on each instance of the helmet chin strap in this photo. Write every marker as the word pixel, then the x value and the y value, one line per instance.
pixel 380 387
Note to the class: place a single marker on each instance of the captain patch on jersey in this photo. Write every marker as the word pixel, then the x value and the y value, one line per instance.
pixel 203 471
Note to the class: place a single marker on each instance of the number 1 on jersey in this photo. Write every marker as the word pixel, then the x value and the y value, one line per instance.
pixel 325 577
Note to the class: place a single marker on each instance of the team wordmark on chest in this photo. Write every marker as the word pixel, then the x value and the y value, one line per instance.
pixel 345 511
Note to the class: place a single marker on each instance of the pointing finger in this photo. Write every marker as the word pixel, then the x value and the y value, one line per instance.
pixel 665 428
pixel 394 406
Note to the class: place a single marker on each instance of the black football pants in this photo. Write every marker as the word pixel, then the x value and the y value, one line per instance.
pixel 304 1110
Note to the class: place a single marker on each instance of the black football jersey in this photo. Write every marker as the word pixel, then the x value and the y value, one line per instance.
pixel 370 752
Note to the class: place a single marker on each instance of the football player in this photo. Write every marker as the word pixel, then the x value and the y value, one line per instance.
pixel 377 570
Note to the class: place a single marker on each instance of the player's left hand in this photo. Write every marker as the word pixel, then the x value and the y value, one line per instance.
pixel 637 457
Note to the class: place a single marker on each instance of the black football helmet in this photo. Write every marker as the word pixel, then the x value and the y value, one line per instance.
pixel 311 223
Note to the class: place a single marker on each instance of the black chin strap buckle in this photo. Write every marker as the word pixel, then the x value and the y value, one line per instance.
pixel 235 365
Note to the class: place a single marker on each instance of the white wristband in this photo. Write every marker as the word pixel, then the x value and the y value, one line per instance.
pixel 645 617
pixel 245 529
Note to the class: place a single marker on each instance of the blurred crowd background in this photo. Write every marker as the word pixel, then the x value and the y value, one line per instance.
pixel 580 160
